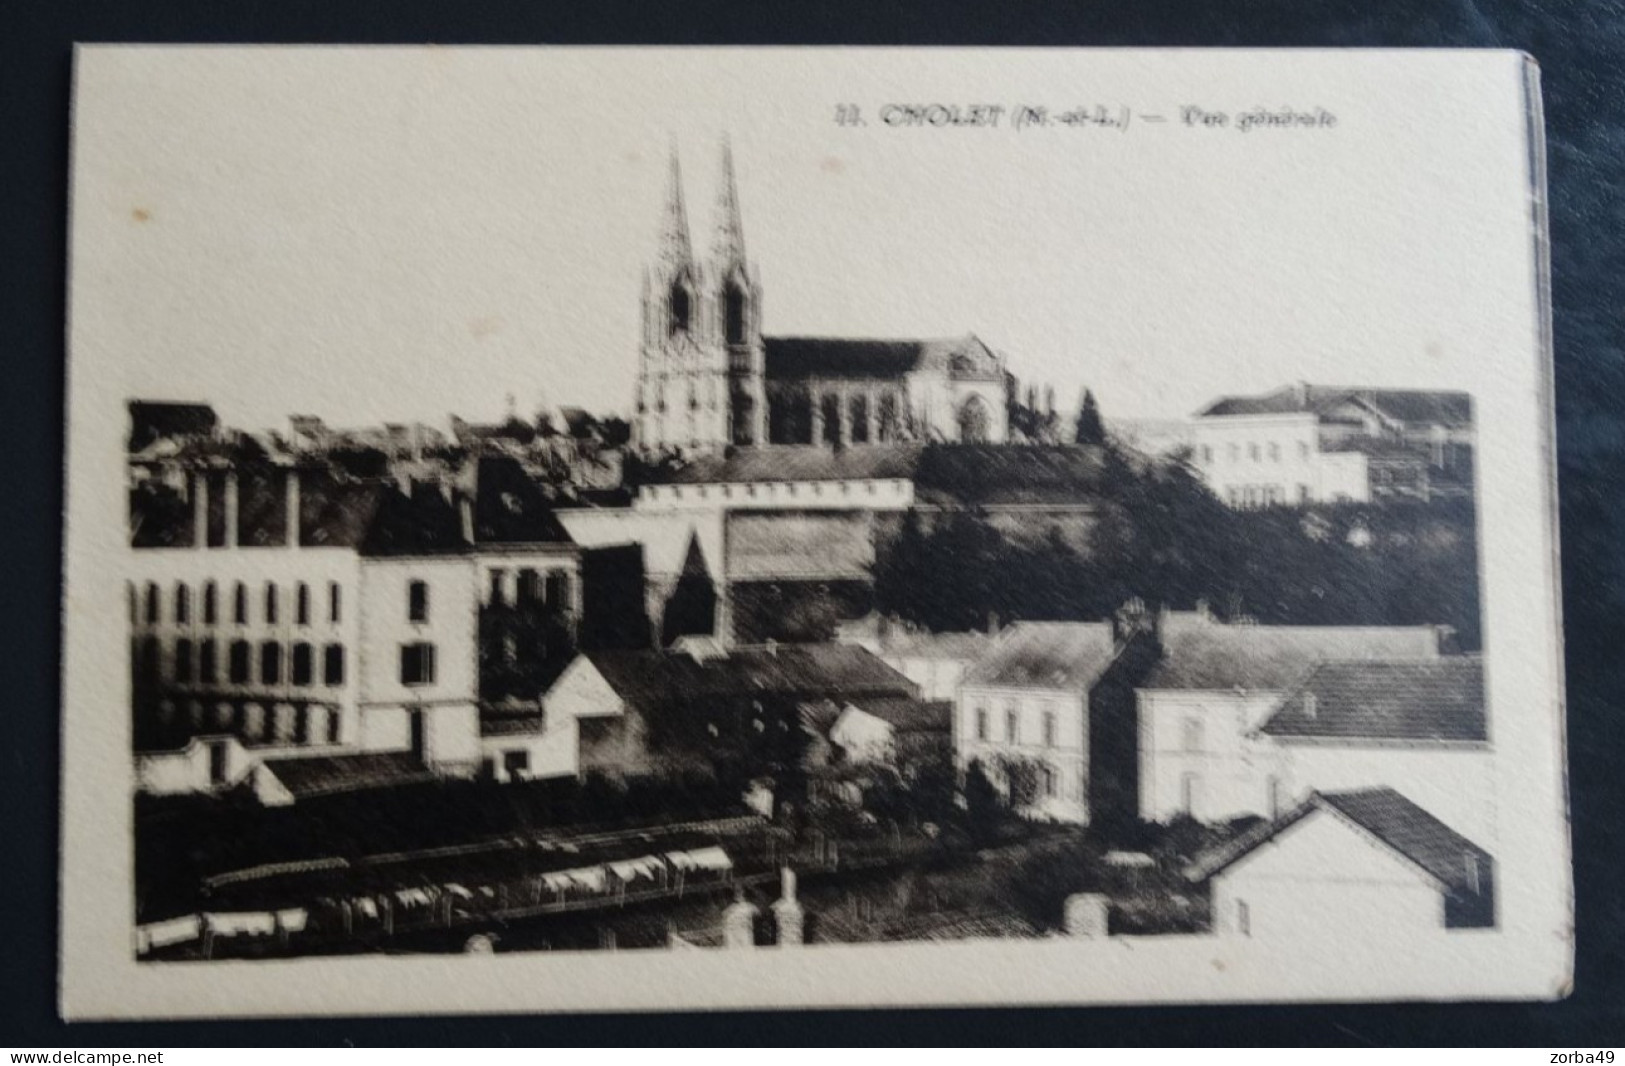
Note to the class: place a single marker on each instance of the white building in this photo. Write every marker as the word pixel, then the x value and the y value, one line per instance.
pixel 937 662
pixel 1024 708
pixel 1199 708
pixel 1367 864
pixel 1306 444
pixel 282 621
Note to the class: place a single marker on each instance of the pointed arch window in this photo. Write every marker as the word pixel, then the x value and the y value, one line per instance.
pixel 681 308
pixel 733 313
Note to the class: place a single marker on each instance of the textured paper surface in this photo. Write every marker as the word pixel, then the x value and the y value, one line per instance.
pixel 391 234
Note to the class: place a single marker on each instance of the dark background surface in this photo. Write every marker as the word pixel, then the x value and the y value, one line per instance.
pixel 1581 49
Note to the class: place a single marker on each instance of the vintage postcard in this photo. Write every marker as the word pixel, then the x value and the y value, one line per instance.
pixel 609 529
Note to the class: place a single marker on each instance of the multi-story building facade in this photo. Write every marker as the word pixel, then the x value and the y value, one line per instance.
pixel 1305 444
pixel 1022 714
pixel 335 620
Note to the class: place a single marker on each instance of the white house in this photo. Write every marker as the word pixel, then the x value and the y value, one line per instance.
pixel 1025 703
pixel 1366 864
pixel 1318 444
pixel 935 661
pixel 1419 725
pixel 1199 707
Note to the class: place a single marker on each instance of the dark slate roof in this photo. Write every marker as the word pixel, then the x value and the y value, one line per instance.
pixel 423 523
pixel 1009 474
pixel 1205 654
pixel 1395 821
pixel 1058 655
pixel 1416 406
pixel 798 462
pixel 509 507
pixel 907 715
pixel 337 515
pixel 324 775
pixel 1429 699
pixel 152 420
pixel 964 358
pixel 643 678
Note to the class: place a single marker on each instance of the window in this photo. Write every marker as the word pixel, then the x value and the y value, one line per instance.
pixel 206 665
pixel 183 604
pixel 332 725
pixel 1047 777
pixel 211 603
pixel 981 723
pixel 333 602
pixel 239 662
pixel 1275 452
pixel 183 661
pixel 270 603
pixel 301 605
pixel 417 601
pixel 1011 725
pixel 1190 787
pixel 496 587
pixel 733 314
pixel 270 663
pixel 152 602
pixel 1252 451
pixel 333 664
pixel 304 665
pixel 1191 735
pixel 558 589
pixel 417 664
pixel 217 763
pixel 679 304
pixel 1244 918
pixel 1049 729
pixel 530 586
pixel 239 604
pixel 301 725
pixel 516 763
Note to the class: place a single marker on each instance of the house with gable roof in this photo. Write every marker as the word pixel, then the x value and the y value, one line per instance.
pixel 1362 863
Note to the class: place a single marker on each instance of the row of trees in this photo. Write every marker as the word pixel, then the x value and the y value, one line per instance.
pixel 1035 419
pixel 1159 535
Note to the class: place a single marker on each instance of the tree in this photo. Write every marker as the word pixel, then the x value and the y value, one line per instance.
pixel 1089 429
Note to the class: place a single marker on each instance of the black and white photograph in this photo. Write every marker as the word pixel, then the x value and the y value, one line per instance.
pixel 758 527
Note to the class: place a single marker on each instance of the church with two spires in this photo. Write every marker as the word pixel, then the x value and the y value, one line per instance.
pixel 709 379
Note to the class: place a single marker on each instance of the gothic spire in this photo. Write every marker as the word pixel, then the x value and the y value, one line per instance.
pixel 674 246
pixel 728 247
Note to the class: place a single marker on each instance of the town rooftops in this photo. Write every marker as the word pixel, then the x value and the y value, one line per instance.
pixel 964 358
pixel 509 507
pixel 1410 406
pixel 1445 856
pixel 644 678
pixel 1057 655
pixel 153 420
pixel 1202 653
pixel 1428 699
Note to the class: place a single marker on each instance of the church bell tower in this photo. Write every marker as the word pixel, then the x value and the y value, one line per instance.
pixel 701 360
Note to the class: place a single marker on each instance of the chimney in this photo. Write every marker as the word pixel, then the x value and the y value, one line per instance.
pixel 290 504
pixel 993 623
pixel 200 509
pixel 231 509
pixel 1308 704
pixel 465 512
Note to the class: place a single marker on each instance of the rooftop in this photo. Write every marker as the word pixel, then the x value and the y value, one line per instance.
pixel 324 775
pixel 963 358
pixel 1439 851
pixel 834 670
pixel 1414 406
pixel 1202 653
pixel 1059 655
pixel 1429 699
